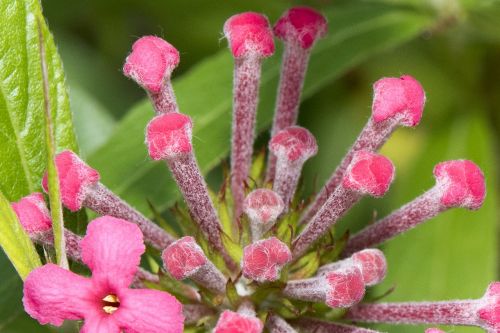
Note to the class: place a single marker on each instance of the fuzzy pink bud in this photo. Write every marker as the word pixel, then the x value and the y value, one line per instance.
pixel 292 147
pixel 249 34
pixel 263 260
pixel 33 214
pixel 294 144
pixel 263 205
pixel 489 310
pixel 169 135
pixel 403 97
pixel 151 61
pixel 434 330
pixel 369 173
pixel 183 257
pixel 462 184
pixel 301 25
pixel 76 179
pixel 234 322
pixel 345 287
pixel 373 265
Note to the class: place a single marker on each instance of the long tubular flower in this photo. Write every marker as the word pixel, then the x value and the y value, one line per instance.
pixel 250 40
pixel 396 102
pixel 185 259
pixel 35 218
pixel 80 187
pixel 276 324
pixel 150 64
pixel 368 174
pixel 104 302
pixel 483 312
pixel 312 325
pixel 168 137
pixel 341 288
pixel 459 183
pixel 299 28
pixel 292 147
pixel 262 260
pixel 372 263
pixel 262 206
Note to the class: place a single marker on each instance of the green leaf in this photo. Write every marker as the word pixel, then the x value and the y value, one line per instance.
pixel 52 174
pixel 15 242
pixel 22 127
pixel 204 93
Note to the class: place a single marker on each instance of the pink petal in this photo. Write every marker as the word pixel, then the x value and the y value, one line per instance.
pixel 100 323
pixel 112 249
pixel 53 294
pixel 149 311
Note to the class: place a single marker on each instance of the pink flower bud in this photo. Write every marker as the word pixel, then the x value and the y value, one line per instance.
pixel 489 309
pixel 369 173
pixel 398 97
pixel 373 265
pixel 33 214
pixel 183 258
pixel 301 25
pixel 263 206
pixel 345 287
pixel 462 184
pixel 151 61
pixel 76 179
pixel 249 34
pixel 294 144
pixel 234 322
pixel 263 260
pixel 169 135
pixel 434 330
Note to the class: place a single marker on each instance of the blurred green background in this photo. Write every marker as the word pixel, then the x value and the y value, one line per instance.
pixel 451 46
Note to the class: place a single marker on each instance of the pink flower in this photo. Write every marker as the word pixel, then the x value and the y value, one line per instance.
pixel 33 213
pixel 234 322
pixel 112 250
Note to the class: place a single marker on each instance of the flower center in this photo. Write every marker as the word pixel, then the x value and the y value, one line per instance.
pixel 110 303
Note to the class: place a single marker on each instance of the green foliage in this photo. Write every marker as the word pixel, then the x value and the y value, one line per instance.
pixel 23 128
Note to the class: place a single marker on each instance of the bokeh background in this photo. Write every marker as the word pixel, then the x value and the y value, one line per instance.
pixel 451 46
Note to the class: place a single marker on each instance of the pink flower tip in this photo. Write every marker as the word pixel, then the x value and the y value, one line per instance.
pixel 76 178
pixel 151 61
pixel 32 213
pixel 373 265
pixel 234 322
pixel 294 143
pixel 489 309
pixel 302 25
pixel 461 183
pixel 183 258
pixel 263 205
pixel 169 135
pixel 263 260
pixel 369 173
pixel 398 97
pixel 249 34
pixel 345 286
pixel 433 330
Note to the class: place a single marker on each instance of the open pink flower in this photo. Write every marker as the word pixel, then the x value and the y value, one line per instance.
pixel 112 250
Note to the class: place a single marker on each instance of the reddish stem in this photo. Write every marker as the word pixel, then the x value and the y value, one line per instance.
pixel 293 71
pixel 407 217
pixel 101 200
pixel 164 101
pixel 246 93
pixel 372 137
pixel 276 324
pixel 445 313
pixel 311 325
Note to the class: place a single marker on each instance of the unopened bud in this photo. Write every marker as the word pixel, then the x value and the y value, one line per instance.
pixel 263 260
pixel 33 214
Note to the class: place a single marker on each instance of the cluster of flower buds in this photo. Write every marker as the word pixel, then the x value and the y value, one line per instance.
pixel 249 267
